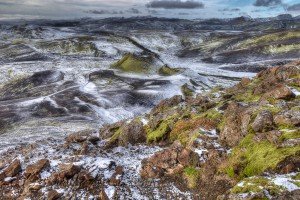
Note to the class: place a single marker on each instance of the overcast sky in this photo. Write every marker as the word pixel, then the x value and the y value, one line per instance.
pixel 66 9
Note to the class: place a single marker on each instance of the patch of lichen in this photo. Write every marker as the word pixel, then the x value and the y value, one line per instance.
pixel 191 175
pixel 133 63
pixel 168 71
pixel 249 157
pixel 256 185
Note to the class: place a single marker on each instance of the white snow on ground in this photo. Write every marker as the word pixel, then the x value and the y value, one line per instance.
pixel 295 91
pixel 110 190
pixel 285 181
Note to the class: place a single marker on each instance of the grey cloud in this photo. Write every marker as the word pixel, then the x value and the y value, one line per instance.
pixel 230 9
pixel 267 3
pixel 133 11
pixel 295 7
pixel 175 4
pixel 104 12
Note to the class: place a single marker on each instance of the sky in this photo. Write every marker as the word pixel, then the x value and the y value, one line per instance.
pixel 187 9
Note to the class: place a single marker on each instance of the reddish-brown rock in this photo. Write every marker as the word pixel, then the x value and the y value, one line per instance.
pixel 237 118
pixel 280 92
pixel 53 195
pixel 68 170
pixel 33 171
pixel 13 169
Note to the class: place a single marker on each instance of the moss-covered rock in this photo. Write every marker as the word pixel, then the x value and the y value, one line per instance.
pixel 168 71
pixel 136 63
pixel 127 133
pixel 186 90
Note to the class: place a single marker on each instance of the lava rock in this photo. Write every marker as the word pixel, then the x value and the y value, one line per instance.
pixel 13 169
pixel 53 195
pixel 32 171
pixel 168 161
pixel 263 122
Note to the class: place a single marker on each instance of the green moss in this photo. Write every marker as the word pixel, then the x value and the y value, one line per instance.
pixel 186 91
pixel 159 133
pixel 247 97
pixel 296 183
pixel 273 109
pixel 271 37
pixel 290 134
pixel 191 174
pixel 255 185
pixel 133 63
pixel 286 126
pixel 116 135
pixel 212 114
pixel 216 89
pixel 250 156
pixel 187 130
pixel 278 49
pixel 296 177
pixel 230 172
pixel 167 71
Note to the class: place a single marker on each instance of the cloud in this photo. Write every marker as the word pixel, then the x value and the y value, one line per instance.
pixel 133 11
pixel 104 12
pixel 267 3
pixel 175 4
pixel 230 9
pixel 295 7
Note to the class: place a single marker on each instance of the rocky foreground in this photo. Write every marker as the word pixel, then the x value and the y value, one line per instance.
pixel 237 143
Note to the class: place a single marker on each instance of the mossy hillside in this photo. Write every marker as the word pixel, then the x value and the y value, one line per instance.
pixel 134 63
pixel 269 38
pixel 281 49
pixel 187 129
pixel 16 86
pixel 191 175
pixel 256 185
pixel 80 45
pixel 252 158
